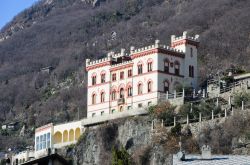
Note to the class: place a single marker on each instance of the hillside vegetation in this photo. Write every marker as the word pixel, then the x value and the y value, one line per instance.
pixel 62 34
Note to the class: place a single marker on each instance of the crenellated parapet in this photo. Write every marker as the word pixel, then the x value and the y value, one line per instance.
pixel 111 56
pixel 157 47
pixel 175 41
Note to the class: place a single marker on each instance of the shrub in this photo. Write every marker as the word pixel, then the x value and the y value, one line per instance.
pixel 176 131
pixel 241 96
pixel 163 111
pixel 120 157
pixel 205 108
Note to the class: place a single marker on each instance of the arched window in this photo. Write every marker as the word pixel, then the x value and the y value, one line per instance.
pixel 93 79
pixel 177 68
pixel 150 65
pixel 114 77
pixel 149 86
pixel 121 93
pixel 102 97
pixel 121 108
pixel 139 68
pixel 166 66
pixel 130 73
pixel 166 86
pixel 130 93
pixel 191 52
pixel 191 71
pixel 139 89
pixel 121 75
pixel 93 98
pixel 103 78
pixel 113 95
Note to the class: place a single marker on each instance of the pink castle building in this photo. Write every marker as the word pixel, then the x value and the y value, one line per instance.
pixel 136 79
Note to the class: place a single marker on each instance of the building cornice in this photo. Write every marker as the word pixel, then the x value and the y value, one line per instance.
pixel 39 129
pixel 121 67
pixel 158 50
pixel 98 65
pixel 184 42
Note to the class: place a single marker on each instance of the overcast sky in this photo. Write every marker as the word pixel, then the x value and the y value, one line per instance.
pixel 10 8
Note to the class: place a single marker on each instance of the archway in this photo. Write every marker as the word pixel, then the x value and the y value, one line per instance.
pixel 77 133
pixel 121 108
pixel 65 136
pixel 71 135
pixel 57 137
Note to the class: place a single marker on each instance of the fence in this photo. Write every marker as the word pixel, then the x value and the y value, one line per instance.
pixel 199 119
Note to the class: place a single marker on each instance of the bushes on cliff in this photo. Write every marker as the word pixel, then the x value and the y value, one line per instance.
pixel 205 108
pixel 163 111
pixel 241 96
pixel 120 157
pixel 220 137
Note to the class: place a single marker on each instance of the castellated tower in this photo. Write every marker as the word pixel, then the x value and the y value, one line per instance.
pixel 138 78
pixel 189 46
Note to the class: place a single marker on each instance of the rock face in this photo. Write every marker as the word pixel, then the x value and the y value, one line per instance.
pixel 133 133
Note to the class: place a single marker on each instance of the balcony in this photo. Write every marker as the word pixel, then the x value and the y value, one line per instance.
pixel 121 101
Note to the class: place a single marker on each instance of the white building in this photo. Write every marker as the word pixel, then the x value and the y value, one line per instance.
pixel 48 138
pixel 137 79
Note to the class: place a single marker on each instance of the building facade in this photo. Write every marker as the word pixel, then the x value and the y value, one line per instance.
pixel 48 138
pixel 126 81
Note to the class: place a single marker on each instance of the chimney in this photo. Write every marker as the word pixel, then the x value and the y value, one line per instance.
pixel 122 51
pixel 132 49
pixel 157 43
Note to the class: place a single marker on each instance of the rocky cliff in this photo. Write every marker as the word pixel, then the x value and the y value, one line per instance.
pixel 95 147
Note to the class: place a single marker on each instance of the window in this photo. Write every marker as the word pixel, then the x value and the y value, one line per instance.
pixel 93 80
pixel 191 52
pixel 113 111
pixel 149 86
pixel 166 66
pixel 113 95
pixel 166 86
pixel 41 142
pixel 103 78
pixel 149 66
pixel 139 89
pixel 37 143
pixel 121 93
pixel 177 68
pixel 93 114
pixel 102 113
pixel 129 107
pixel 48 140
pixel 191 71
pixel 140 105
pixel 93 98
pixel 129 91
pixel 121 75
pixel 130 73
pixel 113 77
pixel 140 69
pixel 102 97
pixel 44 141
